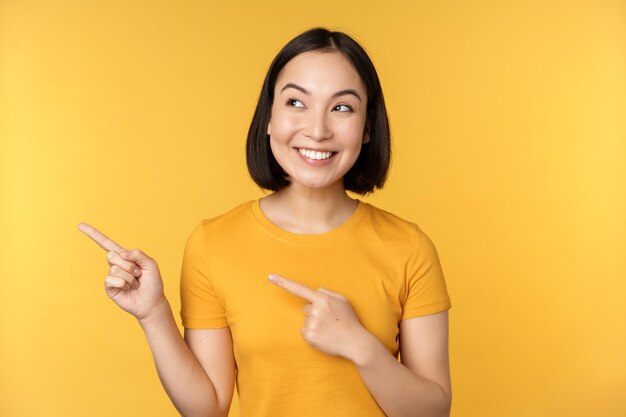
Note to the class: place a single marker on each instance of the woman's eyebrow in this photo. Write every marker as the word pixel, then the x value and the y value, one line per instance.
pixel 308 93
pixel 347 91
pixel 297 87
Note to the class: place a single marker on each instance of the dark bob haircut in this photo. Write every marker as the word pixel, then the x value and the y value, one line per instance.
pixel 371 168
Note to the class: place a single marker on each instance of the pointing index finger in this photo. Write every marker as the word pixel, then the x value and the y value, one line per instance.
pixel 294 287
pixel 98 237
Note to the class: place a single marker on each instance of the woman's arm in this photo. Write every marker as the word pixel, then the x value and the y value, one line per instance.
pixel 187 383
pixel 198 378
pixel 420 385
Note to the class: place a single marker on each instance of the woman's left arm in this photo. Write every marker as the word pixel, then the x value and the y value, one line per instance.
pixel 420 385
pixel 417 387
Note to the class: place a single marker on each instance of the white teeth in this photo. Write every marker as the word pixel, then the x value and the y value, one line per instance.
pixel 315 155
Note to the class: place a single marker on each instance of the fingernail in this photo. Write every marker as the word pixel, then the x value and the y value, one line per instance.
pixel 272 278
pixel 137 272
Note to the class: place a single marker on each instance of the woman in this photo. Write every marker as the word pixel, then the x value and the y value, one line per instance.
pixel 354 285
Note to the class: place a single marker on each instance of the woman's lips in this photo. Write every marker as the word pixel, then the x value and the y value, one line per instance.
pixel 315 162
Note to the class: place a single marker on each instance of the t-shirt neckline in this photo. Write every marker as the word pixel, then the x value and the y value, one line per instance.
pixel 338 231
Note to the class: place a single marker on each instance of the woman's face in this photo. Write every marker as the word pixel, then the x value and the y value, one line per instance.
pixel 318 118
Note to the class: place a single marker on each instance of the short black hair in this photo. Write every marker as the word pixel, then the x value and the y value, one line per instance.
pixel 371 168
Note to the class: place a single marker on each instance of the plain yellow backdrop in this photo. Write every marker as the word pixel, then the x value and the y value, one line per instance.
pixel 509 132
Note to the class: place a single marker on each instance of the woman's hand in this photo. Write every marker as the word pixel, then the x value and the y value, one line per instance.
pixel 330 325
pixel 134 281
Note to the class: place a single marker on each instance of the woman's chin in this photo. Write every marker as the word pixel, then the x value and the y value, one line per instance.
pixel 314 184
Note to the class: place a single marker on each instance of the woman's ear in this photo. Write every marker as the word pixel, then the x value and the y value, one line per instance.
pixel 366 132
pixel 269 128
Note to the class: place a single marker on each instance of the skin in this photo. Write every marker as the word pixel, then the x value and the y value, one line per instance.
pixel 198 372
pixel 419 386
pixel 315 201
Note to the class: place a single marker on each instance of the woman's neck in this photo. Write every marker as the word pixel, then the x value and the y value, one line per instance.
pixel 308 210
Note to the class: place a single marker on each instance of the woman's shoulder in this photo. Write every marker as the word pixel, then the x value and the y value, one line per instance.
pixel 388 218
pixel 385 221
pixel 234 217
pixel 230 214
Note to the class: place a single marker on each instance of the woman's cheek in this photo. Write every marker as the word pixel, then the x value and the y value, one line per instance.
pixel 286 126
pixel 350 126
pixel 352 132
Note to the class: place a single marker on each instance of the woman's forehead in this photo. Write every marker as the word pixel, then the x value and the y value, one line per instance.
pixel 320 70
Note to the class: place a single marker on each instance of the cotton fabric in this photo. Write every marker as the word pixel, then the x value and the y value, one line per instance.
pixel 386 267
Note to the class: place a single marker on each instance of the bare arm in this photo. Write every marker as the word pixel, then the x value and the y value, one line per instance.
pixel 420 385
pixel 187 383
pixel 198 374
pixel 417 387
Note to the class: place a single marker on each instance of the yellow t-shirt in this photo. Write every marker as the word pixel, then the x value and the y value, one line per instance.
pixel 385 266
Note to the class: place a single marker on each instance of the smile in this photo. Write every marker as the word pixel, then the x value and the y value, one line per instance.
pixel 315 155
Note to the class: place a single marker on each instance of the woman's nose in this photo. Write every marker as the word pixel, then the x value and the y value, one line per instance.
pixel 318 126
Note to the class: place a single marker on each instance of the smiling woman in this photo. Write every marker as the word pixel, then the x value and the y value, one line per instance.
pixel 356 89
pixel 317 109
pixel 351 286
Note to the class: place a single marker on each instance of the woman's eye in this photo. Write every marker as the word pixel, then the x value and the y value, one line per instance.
pixel 294 103
pixel 342 108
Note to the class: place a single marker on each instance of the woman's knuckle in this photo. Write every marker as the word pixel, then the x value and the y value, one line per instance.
pixel 111 281
pixel 325 300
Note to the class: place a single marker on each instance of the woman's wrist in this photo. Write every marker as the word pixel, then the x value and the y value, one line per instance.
pixel 159 312
pixel 365 349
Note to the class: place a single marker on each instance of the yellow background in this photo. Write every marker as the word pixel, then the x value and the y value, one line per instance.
pixel 509 131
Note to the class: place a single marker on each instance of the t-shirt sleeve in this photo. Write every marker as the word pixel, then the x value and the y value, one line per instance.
pixel 426 290
pixel 201 307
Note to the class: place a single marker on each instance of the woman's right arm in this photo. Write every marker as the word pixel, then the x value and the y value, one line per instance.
pixel 197 372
